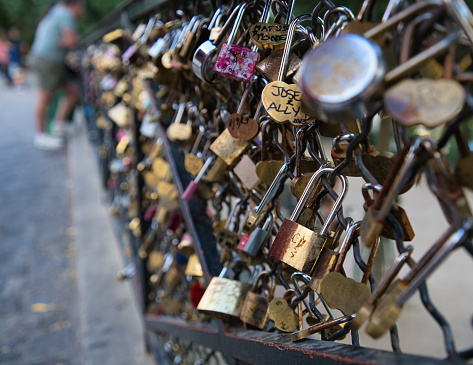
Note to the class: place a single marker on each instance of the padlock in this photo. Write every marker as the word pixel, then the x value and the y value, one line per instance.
pixel 191 38
pixel 426 102
pixel 298 246
pixel 270 163
pixel 246 172
pixel 257 238
pixel 256 215
pixel 229 236
pixel 357 94
pixel 194 268
pixel 217 171
pixel 177 131
pixel 186 245
pixel 120 114
pixel 326 323
pixel 329 258
pixel 194 184
pixel 398 213
pixel 205 56
pixel 365 311
pixel 284 318
pixel 236 62
pixel 228 148
pixel 282 101
pixel 241 126
pixel 270 35
pixel 341 292
pixel 373 222
pixel 255 310
pixel 192 162
pixel 300 180
pixel 223 298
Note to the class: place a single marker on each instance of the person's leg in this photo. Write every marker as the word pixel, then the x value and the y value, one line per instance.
pixel 67 103
pixel 42 104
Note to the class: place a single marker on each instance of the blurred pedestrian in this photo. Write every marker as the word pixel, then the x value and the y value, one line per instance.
pixel 5 57
pixel 56 34
pixel 15 67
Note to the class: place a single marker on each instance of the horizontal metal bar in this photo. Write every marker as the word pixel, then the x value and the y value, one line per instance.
pixel 256 347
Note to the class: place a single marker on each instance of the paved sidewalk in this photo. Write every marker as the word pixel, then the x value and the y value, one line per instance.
pixel 59 300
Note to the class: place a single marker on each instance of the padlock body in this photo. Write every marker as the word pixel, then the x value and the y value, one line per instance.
pixel 227 239
pixel 255 310
pixel 255 241
pixel 401 216
pixel 297 246
pixel 194 267
pixel 223 298
pixel 236 63
pixel 228 148
pixel 246 172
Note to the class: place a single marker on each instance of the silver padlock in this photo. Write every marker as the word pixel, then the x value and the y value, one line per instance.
pixel 257 238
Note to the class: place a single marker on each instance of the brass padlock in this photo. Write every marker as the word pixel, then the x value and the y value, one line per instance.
pixel 298 246
pixel 399 214
pixel 255 310
pixel 283 101
pixel 223 298
pixel 194 268
pixel 228 148
pixel 177 131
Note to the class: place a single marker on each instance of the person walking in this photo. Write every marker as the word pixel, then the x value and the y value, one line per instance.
pixel 15 67
pixel 56 34
pixel 5 57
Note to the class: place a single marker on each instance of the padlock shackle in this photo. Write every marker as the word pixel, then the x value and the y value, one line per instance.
pixel 462 14
pixel 352 230
pixel 204 168
pixel 346 15
pixel 179 113
pixel 365 191
pixel 215 18
pixel 308 194
pixel 403 15
pixel 263 19
pixel 289 39
pixel 273 187
pixel 241 10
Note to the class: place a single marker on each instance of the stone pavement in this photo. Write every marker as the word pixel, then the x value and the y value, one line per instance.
pixel 59 300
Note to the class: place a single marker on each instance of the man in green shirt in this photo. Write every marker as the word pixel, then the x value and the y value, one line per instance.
pixel 56 34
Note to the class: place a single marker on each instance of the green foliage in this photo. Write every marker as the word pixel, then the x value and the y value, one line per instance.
pixel 25 14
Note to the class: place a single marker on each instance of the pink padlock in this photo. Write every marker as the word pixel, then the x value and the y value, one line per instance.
pixel 150 212
pixel 244 240
pixel 236 62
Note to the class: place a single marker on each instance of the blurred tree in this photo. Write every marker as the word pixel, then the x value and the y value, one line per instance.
pixel 25 14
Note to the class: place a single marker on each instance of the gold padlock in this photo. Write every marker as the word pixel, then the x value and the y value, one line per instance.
pixel 255 310
pixel 194 267
pixel 228 148
pixel 223 298
pixel 298 246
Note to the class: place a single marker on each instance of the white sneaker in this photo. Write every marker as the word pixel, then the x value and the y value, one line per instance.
pixel 63 129
pixel 47 142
